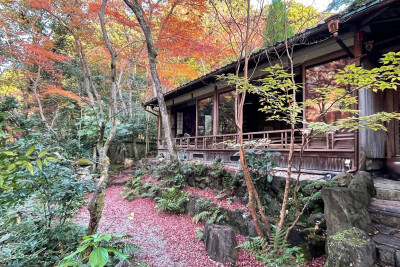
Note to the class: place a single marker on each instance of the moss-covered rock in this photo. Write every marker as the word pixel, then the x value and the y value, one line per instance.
pixel 350 247
pixel 83 162
pixel 345 208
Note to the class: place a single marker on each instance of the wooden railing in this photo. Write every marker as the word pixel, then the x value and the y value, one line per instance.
pixel 274 140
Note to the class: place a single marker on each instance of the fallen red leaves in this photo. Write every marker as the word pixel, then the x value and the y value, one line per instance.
pixel 166 239
pixel 317 262
pixel 210 195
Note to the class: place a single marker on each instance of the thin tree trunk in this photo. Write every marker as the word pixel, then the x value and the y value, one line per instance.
pixel 282 215
pixel 119 90
pixel 249 182
pixel 203 67
pixel 157 87
pixel 130 106
pixel 96 204
pixel 134 146
pixel 94 155
pixel 39 103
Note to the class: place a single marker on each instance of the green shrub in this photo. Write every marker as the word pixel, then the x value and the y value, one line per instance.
pixel 276 252
pixel 168 170
pixel 140 172
pixel 150 190
pixel 133 189
pixel 32 243
pixel 211 213
pixel 172 199
pixel 101 249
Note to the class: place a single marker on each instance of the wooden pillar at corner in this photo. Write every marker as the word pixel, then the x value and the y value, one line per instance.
pixel 215 113
pixel 358 36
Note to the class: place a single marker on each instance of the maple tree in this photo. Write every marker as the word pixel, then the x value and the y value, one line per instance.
pixel 241 23
pixel 31 51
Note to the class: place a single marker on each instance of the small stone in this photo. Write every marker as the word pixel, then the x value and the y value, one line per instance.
pixel 314 218
pixel 252 229
pixel 245 200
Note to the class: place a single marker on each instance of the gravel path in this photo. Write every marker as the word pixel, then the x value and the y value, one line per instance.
pixel 166 239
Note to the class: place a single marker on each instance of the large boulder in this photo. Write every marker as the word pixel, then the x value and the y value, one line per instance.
pixel 350 248
pixel 345 208
pixel 365 180
pixel 220 242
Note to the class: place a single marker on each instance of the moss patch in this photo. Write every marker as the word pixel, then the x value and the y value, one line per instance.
pixel 84 162
pixel 353 237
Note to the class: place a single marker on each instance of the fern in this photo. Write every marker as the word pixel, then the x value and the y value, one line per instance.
pixel 133 183
pixel 172 199
pixel 210 214
pixel 274 253
pixel 130 194
pixel 215 216
pixel 199 233
pixel 202 216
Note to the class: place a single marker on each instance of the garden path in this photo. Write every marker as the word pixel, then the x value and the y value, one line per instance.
pixel 166 239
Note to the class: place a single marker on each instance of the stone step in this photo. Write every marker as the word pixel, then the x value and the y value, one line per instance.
pixel 387 189
pixel 130 171
pixel 388 245
pixel 386 212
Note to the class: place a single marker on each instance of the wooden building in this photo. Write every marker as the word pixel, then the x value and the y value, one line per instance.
pixel 202 110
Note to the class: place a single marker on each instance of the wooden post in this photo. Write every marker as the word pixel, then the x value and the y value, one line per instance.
pixel 197 119
pixel 357 54
pixel 216 104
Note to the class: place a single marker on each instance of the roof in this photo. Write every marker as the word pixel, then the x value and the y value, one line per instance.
pixel 318 32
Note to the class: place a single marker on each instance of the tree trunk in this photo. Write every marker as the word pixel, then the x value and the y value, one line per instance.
pixel 36 94
pixel 157 88
pixel 94 158
pixel 134 146
pixel 119 89
pixel 96 204
pixel 239 122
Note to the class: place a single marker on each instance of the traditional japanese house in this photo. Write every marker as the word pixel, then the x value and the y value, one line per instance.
pixel 202 112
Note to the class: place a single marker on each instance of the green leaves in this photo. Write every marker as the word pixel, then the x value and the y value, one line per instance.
pixel 14 159
pixel 30 150
pixel 98 257
pixel 39 163
pixel 172 199
pixel 29 166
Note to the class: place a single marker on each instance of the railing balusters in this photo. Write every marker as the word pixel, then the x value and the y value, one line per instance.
pixel 279 140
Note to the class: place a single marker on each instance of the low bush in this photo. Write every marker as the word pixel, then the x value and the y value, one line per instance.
pixel 276 252
pixel 211 213
pixel 172 199
pixel 103 251
pixel 133 189
pixel 33 243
